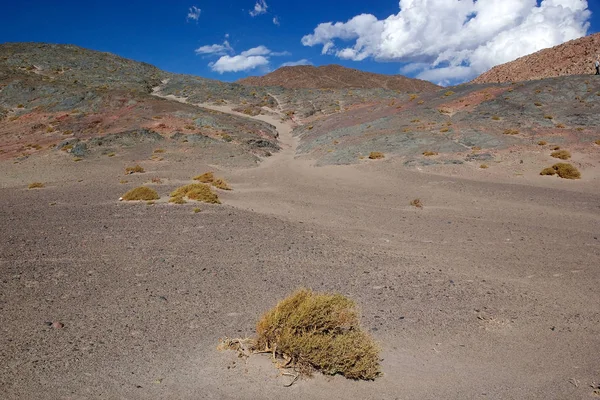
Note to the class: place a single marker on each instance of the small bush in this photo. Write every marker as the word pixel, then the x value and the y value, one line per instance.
pixel 560 126
pixel 321 332
pixel 134 170
pixel 542 143
pixel 556 148
pixel 36 185
pixel 197 210
pixel 177 200
pixel 207 177
pixel 511 132
pixel 156 180
pixel 430 153
pixel 483 166
pixel 376 155
pixel 563 170
pixel 198 192
pixel 475 148
pixel 562 154
pixel 141 193
pixel 221 184
pixel 449 93
pixel 158 151
pixel 416 203
pixel 496 118
pixel 538 104
pixel 548 117
pixel 444 130
pixel 597 142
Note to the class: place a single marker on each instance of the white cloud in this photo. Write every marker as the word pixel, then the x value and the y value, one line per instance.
pixel 255 57
pixel 259 8
pixel 194 13
pixel 296 63
pixel 238 63
pixel 276 21
pixel 455 39
pixel 216 49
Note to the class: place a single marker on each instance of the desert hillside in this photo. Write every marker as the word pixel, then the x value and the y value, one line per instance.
pixel 572 58
pixel 336 77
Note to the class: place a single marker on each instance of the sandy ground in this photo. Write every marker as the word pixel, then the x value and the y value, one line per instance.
pixel 489 291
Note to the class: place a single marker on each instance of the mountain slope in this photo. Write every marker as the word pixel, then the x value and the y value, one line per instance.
pixel 575 57
pixel 336 77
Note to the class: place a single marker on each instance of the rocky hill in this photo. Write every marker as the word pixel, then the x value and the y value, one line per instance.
pixel 336 77
pixel 575 57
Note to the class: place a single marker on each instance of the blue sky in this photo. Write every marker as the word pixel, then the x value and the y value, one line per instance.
pixel 458 40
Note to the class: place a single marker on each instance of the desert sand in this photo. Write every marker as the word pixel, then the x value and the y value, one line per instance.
pixel 488 291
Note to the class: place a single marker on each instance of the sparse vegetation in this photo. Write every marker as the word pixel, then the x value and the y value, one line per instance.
pixel 156 180
pixel 444 130
pixel 416 203
pixel 197 210
pixel 198 192
pixel 563 170
pixel 542 143
pixel 548 117
pixel 449 93
pixel 511 132
pixel 177 200
pixel 36 185
pixel 562 154
pixel 221 184
pixel 537 104
pixel 158 151
pixel 496 118
pixel 597 142
pixel 484 166
pixel 207 177
pixel 141 193
pixel 556 148
pixel 134 170
pixel 318 332
pixel 376 155
pixel 560 126
pixel 430 153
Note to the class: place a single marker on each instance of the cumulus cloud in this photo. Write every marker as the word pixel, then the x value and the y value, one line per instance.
pixel 194 13
pixel 259 8
pixel 304 61
pixel 454 40
pixel 216 49
pixel 255 57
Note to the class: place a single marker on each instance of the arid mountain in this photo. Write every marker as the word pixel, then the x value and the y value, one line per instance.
pixel 571 58
pixel 336 77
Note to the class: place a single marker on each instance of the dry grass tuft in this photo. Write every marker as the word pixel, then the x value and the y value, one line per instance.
pixel 483 166
pixel 134 170
pixel 542 143
pixel 207 177
pixel 511 132
pixel 597 142
pixel 36 185
pixel 556 148
pixel 156 180
pixel 141 193
pixel 449 93
pixel 221 184
pixel 563 170
pixel 562 154
pixel 548 117
pixel 319 332
pixel 376 155
pixel 417 203
pixel 496 118
pixel 159 151
pixel 197 210
pixel 430 153
pixel 177 200
pixel 198 192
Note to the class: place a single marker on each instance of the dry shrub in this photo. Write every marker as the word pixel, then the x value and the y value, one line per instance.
pixel 430 153
pixel 417 203
pixel 483 166
pixel 444 130
pixel 198 192
pixel 542 143
pixel 449 93
pixel 560 126
pixel 548 117
pixel 562 154
pixel 207 177
pixel 177 200
pixel 158 151
pixel 556 148
pixel 133 170
pixel 36 185
pixel 496 118
pixel 597 142
pixel 376 155
pixel 196 210
pixel 563 170
pixel 156 180
pixel 511 132
pixel 475 148
pixel 538 104
pixel 221 184
pixel 320 332
pixel 141 193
